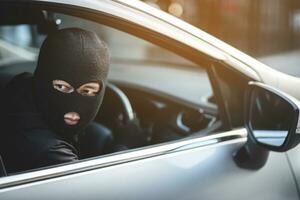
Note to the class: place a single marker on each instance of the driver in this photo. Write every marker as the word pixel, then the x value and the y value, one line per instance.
pixel 49 115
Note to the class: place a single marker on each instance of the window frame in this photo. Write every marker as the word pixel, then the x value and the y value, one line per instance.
pixel 182 48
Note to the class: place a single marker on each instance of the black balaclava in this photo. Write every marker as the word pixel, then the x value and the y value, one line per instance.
pixel 76 56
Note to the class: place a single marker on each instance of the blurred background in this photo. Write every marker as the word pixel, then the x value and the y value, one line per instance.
pixel 268 30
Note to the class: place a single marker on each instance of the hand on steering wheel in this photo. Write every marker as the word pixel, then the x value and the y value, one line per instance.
pixel 130 134
pixel 127 129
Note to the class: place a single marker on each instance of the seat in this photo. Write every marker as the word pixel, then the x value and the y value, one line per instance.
pixel 6 74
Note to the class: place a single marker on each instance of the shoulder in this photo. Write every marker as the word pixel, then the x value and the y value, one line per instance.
pixel 35 148
pixel 18 94
pixel 49 149
pixel 22 79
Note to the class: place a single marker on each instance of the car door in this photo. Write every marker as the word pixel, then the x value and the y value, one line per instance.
pixel 199 168
pixel 293 158
pixel 189 168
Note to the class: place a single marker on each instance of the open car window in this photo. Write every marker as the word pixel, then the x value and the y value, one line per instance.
pixel 171 97
pixel 144 64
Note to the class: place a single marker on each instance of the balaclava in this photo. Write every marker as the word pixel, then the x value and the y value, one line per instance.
pixel 78 57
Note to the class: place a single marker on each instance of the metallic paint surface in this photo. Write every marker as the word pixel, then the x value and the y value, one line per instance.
pixel 122 157
pixel 197 173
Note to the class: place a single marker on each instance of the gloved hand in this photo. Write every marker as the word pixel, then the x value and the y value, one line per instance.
pixel 129 134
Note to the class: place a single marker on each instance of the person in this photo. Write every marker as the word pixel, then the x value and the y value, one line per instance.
pixel 49 115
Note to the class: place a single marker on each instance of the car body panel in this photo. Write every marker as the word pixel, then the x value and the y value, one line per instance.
pixel 294 159
pixel 118 158
pixel 208 172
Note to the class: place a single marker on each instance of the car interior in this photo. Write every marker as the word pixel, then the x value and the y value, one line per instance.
pixel 160 116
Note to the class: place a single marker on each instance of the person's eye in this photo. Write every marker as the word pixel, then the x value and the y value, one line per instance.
pixel 62 86
pixel 89 89
pixel 87 92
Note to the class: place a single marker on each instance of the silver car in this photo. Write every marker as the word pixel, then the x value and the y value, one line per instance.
pixel 219 124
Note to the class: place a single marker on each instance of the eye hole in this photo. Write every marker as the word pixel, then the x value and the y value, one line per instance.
pixel 62 86
pixel 89 89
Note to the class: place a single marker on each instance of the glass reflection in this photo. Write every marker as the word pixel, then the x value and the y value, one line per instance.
pixel 270 117
pixel 273 138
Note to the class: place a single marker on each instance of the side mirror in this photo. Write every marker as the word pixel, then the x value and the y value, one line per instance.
pixel 272 117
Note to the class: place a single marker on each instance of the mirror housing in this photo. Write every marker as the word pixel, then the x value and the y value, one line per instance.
pixel 272 121
pixel 271 117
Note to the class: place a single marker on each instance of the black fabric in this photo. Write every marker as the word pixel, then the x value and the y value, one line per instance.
pixel 129 135
pixel 96 140
pixel 77 57
pixel 26 141
pixel 34 133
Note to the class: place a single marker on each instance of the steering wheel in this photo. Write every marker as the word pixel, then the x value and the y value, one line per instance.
pixel 117 113
pixel 125 104
pixel 115 107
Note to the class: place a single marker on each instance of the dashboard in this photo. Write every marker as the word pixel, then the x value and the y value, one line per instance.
pixel 162 117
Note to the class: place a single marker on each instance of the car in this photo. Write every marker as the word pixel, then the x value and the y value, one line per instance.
pixel 219 124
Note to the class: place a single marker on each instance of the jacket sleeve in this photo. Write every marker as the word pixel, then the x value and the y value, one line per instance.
pixel 45 148
pixel 59 153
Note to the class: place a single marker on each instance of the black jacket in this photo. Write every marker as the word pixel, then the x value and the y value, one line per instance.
pixel 26 141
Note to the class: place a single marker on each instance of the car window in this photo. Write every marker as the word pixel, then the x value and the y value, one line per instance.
pixel 170 97
pixel 139 62
pixel 18 43
pixel 134 60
